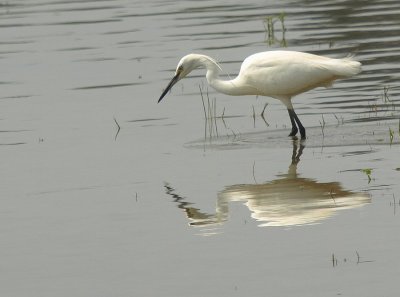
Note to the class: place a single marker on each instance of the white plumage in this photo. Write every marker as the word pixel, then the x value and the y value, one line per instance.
pixel 277 74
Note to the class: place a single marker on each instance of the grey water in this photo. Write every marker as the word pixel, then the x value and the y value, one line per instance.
pixel 104 192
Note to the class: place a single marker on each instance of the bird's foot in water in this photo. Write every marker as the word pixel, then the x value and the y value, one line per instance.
pixel 302 132
pixel 293 132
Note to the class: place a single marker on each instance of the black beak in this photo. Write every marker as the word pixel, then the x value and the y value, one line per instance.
pixel 170 85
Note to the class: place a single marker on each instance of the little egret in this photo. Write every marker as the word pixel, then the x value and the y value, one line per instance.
pixel 277 74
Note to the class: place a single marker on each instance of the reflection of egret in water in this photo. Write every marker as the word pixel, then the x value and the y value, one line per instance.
pixel 289 200
pixel 196 217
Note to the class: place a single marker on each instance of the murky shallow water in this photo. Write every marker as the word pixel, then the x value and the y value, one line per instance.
pixel 173 205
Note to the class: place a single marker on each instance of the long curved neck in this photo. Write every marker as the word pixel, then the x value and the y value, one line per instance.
pixel 228 87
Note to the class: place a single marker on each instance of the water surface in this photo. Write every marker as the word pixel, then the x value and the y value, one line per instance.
pixel 106 193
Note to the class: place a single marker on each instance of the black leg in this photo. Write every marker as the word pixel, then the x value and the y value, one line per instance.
pixel 301 128
pixel 295 120
pixel 292 120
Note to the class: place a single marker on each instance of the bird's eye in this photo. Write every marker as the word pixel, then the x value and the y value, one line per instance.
pixel 180 69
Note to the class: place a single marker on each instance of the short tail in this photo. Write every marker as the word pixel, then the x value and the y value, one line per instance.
pixel 345 67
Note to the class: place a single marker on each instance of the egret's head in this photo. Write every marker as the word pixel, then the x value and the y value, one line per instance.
pixel 185 66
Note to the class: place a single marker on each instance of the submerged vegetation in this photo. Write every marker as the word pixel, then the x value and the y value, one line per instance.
pixel 384 103
pixel 368 172
pixel 269 23
pixel 211 116
pixel 384 111
pixel 391 135
pixel 322 125
pixel 118 128
pixel 359 260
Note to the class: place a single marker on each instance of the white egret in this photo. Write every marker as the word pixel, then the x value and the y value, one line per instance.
pixel 277 74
